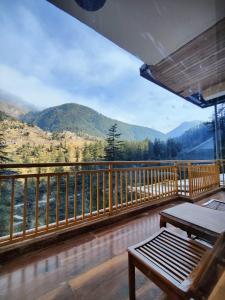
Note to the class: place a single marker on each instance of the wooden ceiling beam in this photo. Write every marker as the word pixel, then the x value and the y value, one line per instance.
pixel 196 66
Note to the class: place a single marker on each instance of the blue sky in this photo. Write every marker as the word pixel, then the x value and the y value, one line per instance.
pixel 48 58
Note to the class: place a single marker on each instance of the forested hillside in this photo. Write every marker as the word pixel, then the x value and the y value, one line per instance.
pixel 84 120
pixel 195 136
pixel 28 143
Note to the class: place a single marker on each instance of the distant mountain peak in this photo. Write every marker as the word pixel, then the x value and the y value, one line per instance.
pixel 179 130
pixel 78 118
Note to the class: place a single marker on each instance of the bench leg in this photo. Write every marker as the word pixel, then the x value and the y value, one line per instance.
pixel 189 234
pixel 131 269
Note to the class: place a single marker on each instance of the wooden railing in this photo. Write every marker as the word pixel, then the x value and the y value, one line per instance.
pixel 203 178
pixel 36 199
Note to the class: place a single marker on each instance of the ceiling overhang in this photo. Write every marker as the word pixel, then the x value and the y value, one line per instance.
pixel 182 43
pixel 196 71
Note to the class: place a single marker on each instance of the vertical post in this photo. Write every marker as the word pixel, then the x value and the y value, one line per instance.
pixel 37 204
pixel 47 202
pixel 176 177
pixel 83 196
pixel 57 200
pixel 11 230
pixel 218 166
pixel 104 189
pixel 131 271
pixel 190 180
pixel 110 189
pixel 75 197
pixel 91 192
pixel 216 136
pixel 67 198
pixel 98 195
pixel 25 208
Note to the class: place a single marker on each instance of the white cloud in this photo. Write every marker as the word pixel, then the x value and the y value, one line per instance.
pixel 30 88
pixel 34 91
pixel 98 64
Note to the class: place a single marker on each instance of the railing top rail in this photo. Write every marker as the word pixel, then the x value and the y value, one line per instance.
pixel 80 172
pixel 100 163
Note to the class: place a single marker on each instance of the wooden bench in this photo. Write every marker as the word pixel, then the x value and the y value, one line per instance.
pixel 215 204
pixel 178 265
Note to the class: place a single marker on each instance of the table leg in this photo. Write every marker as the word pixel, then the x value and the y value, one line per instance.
pixel 131 268
pixel 162 222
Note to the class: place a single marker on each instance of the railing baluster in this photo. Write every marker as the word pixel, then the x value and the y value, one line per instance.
pixel 91 196
pixel 98 196
pixel 83 196
pixel 75 198
pixel 58 200
pixel 131 187
pixel 162 184
pixel 202 179
pixel 135 180
pixel 47 202
pixel 180 176
pixel 110 189
pixel 37 204
pixel 11 230
pixel 144 185
pixel 121 190
pixel 104 192
pixel 148 185
pixel 67 198
pixel 116 189
pixel 152 183
pixel 25 208
pixel 159 188
pixel 171 170
pixel 185 183
pixel 140 186
pixel 174 178
pixel 126 189
pixel 166 176
pixel 190 179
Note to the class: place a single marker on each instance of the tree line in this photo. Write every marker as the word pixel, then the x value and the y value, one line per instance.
pixel 115 149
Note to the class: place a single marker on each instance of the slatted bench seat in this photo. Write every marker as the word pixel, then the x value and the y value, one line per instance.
pixel 171 261
pixel 215 204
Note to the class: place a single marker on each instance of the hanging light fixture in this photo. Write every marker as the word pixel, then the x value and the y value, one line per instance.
pixel 91 5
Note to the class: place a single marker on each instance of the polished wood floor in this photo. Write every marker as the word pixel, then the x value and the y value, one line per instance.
pixel 91 266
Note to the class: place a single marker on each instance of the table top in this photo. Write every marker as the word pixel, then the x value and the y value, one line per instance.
pixel 203 217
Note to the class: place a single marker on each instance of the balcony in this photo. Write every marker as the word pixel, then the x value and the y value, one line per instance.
pixel 72 223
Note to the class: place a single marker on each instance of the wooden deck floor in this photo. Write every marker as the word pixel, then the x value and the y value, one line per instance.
pixel 89 266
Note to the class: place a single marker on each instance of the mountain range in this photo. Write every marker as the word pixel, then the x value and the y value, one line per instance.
pixel 183 127
pixel 81 120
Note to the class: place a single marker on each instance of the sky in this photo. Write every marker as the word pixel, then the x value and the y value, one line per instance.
pixel 48 58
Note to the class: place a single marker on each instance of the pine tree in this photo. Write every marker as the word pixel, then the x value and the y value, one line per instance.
pixel 113 144
pixel 3 153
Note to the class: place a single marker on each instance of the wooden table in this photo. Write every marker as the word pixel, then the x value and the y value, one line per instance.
pixel 201 221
